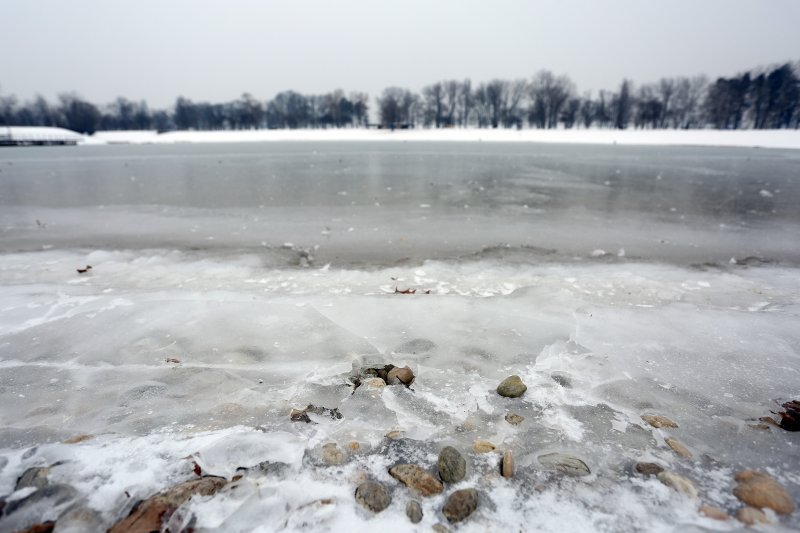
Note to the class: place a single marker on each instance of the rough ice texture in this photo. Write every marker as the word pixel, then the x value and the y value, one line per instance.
pixel 175 356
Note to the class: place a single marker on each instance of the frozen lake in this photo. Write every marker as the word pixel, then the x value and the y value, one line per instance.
pixel 234 282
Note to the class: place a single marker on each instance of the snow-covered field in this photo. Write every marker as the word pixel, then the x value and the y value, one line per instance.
pixel 741 138
pixel 231 284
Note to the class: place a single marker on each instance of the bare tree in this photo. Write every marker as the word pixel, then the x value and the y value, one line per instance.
pixel 434 103
pixel 587 111
pixel 666 89
pixel 466 101
pixel 548 94
pixel 622 104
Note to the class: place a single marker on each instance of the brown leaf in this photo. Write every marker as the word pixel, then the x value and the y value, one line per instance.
pixel 406 291
pixel 84 270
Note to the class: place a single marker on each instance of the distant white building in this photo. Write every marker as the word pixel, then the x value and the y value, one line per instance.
pixel 37 136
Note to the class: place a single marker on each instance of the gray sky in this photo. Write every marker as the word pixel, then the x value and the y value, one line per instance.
pixel 216 50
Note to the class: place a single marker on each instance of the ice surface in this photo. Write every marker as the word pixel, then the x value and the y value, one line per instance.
pixel 746 138
pixel 170 355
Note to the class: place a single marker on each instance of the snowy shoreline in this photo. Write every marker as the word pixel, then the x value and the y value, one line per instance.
pixel 780 139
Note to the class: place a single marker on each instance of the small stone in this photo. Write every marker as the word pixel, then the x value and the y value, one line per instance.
pixel 299 416
pixel 752 516
pixel 512 387
pixel 354 446
pixel 151 514
pixel 414 511
pixel 452 466
pixel 332 455
pixel 416 479
pixel 460 505
pixel 507 464
pixel 658 421
pixel 562 379
pixel 678 483
pixel 78 519
pixel 715 513
pixel 374 383
pixel 678 448
pixel 514 419
pixel 373 496
pixel 567 464
pixel 440 528
pixel 78 438
pixel 400 376
pixel 44 527
pixel 395 434
pixel 47 497
pixel 483 446
pixel 760 490
pixel 35 477
pixel 649 469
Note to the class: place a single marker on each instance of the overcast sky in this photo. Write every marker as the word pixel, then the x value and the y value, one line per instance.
pixel 216 50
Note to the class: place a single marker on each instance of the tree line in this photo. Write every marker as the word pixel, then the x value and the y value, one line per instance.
pixel 765 98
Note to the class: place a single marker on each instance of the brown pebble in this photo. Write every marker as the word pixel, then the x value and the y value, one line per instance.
pixel 460 505
pixel 649 469
pixel 44 527
pixel 151 514
pixel 353 446
pixel 483 446
pixel 507 464
pixel 78 438
pixel 678 448
pixel 715 513
pixel 760 490
pixel 514 419
pixel 400 376
pixel 658 421
pixel 752 516
pixel 417 479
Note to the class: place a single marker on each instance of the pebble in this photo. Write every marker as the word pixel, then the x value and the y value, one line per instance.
pixel 395 434
pixel 47 497
pixel 44 527
pixel 658 421
pixel 460 505
pixel 565 463
pixel 452 466
pixel 649 469
pixel 78 438
pixel 154 511
pixel 440 528
pixel 332 455
pixel 512 387
pixel 373 496
pixel 483 446
pixel 35 477
pixel 760 490
pixel 507 464
pixel 417 479
pixel 400 376
pixel 678 448
pixel 514 419
pixel 678 482
pixel 414 511
pixel 752 516
pixel 715 513
pixel 354 446
pixel 374 383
